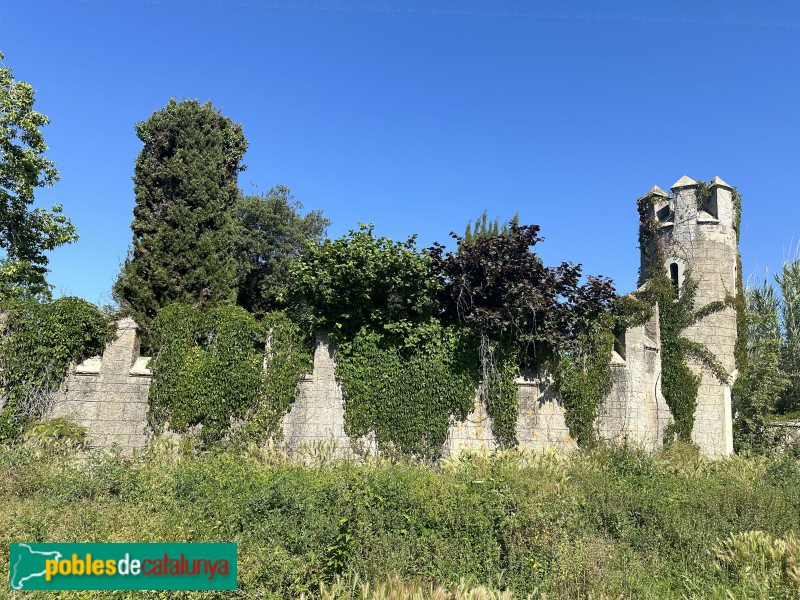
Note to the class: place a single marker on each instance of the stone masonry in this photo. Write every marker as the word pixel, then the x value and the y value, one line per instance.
pixel 317 416
pixel 108 394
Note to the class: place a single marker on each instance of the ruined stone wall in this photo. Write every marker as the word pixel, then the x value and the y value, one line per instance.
pixel 635 411
pixel 317 415
pixel 108 394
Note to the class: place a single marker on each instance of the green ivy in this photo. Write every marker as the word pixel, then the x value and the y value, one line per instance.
pixel 678 383
pixel 405 395
pixel 500 368
pixel 584 378
pixel 208 369
pixel 39 342
pixel 677 312
pixel 738 302
pixel 288 358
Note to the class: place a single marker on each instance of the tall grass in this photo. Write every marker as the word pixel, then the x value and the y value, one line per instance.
pixel 606 523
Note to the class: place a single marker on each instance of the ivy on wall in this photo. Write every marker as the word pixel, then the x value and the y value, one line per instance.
pixel 210 371
pixel 405 395
pixel 677 312
pixel 738 301
pixel 288 358
pixel 499 369
pixel 584 378
pixel 38 343
pixel 523 313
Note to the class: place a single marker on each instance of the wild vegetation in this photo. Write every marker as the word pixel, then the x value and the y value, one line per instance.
pixel 606 522
pixel 213 271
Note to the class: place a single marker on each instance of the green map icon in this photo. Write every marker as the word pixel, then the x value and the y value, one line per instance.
pixel 27 564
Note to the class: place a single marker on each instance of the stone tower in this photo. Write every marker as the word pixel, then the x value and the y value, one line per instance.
pixel 699 237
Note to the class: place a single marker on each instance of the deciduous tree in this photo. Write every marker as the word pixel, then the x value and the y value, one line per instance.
pixel 25 233
pixel 271 238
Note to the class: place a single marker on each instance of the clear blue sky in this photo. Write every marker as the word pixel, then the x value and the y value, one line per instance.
pixel 419 114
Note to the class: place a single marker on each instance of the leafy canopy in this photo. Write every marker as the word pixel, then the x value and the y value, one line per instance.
pixel 499 286
pixel 361 280
pixel 25 233
pixel 757 390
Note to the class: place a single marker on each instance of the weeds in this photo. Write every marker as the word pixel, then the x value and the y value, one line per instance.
pixel 608 522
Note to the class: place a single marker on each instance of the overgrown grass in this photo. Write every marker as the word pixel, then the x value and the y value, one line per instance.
pixel 600 523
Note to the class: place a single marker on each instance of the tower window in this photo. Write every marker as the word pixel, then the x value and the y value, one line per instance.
pixel 673 274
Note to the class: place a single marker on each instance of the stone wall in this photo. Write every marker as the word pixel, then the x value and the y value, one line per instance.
pixel 635 411
pixel 317 415
pixel 108 394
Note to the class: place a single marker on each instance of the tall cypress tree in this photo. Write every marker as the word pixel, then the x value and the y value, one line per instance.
pixel 184 232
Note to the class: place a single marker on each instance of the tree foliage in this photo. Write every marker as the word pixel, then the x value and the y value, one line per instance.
pixel 25 233
pixel 498 286
pixel 522 312
pixel 361 280
pixel 758 389
pixel 789 281
pixel 184 232
pixel 271 238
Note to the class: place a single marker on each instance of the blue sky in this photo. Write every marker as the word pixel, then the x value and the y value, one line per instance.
pixel 418 115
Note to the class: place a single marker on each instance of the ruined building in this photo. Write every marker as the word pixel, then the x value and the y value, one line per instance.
pixel 108 394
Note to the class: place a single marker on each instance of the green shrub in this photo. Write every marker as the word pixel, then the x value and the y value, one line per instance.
pixel 602 523
pixel 56 436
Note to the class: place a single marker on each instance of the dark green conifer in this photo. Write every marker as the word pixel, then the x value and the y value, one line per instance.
pixel 184 232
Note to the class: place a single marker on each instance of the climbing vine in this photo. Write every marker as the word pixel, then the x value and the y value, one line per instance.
pixel 739 302
pixel 499 366
pixel 523 313
pixel 287 359
pixel 405 394
pixel 208 369
pixel 38 343
pixel 584 378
